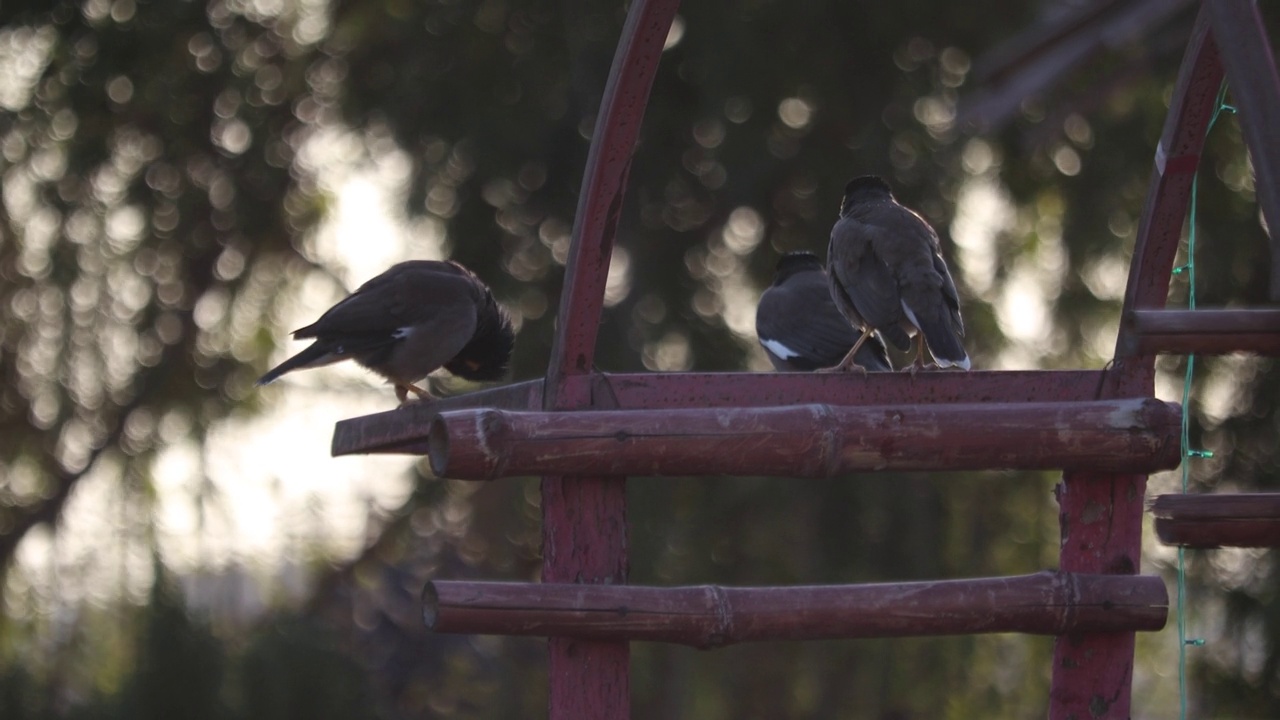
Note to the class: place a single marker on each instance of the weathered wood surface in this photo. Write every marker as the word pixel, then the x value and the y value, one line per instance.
pixel 1250 67
pixel 1195 97
pixel 584 519
pixel 1209 521
pixel 405 430
pixel 1101 512
pixel 1207 332
pixel 809 440
pixel 1047 603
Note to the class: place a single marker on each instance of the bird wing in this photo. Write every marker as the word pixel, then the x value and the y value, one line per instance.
pixel 862 277
pixel 873 355
pixel 799 322
pixel 949 291
pixel 409 295
pixel 929 297
pixel 405 323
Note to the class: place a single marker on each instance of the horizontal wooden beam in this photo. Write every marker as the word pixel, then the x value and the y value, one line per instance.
pixel 1208 521
pixel 404 430
pixel 814 440
pixel 647 391
pixel 1212 332
pixel 1046 603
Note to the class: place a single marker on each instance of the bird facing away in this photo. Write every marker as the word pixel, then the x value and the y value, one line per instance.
pixel 799 326
pixel 887 274
pixel 409 321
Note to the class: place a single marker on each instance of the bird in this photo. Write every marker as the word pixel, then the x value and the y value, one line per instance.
pixel 799 326
pixel 887 273
pixel 411 320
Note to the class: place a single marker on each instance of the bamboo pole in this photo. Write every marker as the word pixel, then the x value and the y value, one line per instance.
pixel 1207 332
pixel 404 429
pixel 808 440
pixel 1209 521
pixel 708 616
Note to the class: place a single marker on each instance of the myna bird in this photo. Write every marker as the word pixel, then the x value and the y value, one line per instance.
pixel 409 321
pixel 887 274
pixel 799 326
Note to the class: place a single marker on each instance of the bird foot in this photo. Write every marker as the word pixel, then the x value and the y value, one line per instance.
pixel 844 367
pixel 402 393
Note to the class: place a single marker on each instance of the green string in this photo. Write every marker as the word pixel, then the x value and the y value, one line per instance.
pixel 1187 452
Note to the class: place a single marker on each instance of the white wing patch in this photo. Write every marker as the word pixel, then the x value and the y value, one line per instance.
pixel 403 332
pixel 778 349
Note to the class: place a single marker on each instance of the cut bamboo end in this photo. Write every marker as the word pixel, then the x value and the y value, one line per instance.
pixel 1046 603
pixel 1209 521
pixel 1126 436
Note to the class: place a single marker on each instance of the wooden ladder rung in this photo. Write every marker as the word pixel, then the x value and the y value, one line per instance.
pixel 1227 520
pixel 1213 332
pixel 815 440
pixel 707 616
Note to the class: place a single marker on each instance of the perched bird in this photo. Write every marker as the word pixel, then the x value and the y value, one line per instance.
pixel 800 327
pixel 887 274
pixel 416 317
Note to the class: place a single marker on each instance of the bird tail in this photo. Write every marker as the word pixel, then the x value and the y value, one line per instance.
pixel 873 355
pixel 315 355
pixel 943 337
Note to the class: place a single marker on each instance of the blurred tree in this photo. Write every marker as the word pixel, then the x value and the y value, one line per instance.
pixel 160 197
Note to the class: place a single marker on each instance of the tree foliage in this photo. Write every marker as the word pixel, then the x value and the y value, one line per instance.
pixel 161 199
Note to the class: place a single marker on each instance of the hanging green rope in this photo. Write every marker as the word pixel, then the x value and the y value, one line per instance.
pixel 1187 453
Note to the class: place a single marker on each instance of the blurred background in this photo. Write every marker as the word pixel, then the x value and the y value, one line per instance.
pixel 184 182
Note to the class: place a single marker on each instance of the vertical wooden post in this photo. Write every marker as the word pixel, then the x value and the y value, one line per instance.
pixel 1101 525
pixel 1101 513
pixel 584 520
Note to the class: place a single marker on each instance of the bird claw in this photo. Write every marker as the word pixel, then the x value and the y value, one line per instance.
pixel 844 367
pixel 402 393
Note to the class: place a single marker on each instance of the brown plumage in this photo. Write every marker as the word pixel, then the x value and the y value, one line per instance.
pixel 409 321
pixel 887 274
pixel 799 326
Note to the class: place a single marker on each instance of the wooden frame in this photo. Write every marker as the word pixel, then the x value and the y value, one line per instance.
pixel 584 517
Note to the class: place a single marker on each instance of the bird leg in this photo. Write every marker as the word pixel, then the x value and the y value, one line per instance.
pixel 402 392
pixel 918 363
pixel 847 363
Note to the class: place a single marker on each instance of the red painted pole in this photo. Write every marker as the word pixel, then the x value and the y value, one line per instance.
pixel 584 519
pixel 1250 66
pixel 1164 214
pixel 1101 513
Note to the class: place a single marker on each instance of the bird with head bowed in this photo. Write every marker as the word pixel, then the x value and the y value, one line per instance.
pixel 887 274
pixel 799 326
pixel 411 320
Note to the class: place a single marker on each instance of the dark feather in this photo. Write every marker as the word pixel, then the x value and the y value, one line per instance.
pixel 407 322
pixel 886 268
pixel 799 326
